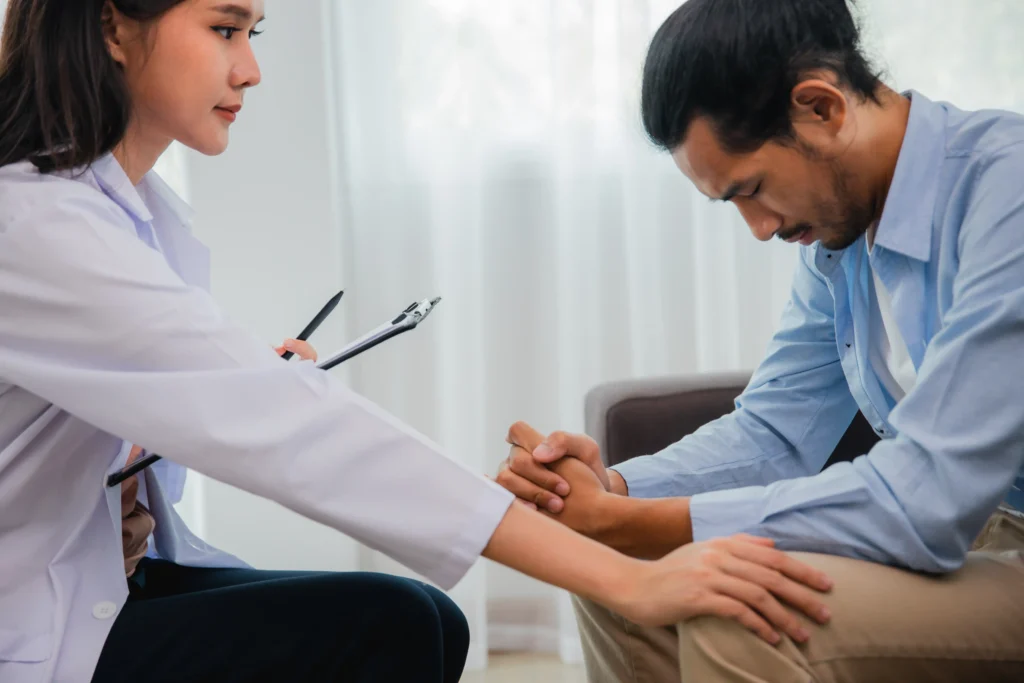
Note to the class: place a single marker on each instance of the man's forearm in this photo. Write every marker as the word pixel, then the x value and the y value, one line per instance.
pixel 645 528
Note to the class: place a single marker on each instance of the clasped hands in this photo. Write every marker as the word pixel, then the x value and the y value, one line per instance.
pixel 562 476
pixel 741 577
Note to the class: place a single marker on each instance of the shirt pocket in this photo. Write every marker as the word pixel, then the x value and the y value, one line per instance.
pixel 18 646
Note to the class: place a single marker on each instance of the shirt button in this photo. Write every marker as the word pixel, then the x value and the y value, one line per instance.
pixel 104 610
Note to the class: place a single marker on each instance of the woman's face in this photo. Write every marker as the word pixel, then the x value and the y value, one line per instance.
pixel 188 71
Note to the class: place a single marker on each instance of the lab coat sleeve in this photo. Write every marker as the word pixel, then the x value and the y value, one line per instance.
pixel 97 323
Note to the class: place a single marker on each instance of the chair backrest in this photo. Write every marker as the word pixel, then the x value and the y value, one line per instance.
pixel 639 417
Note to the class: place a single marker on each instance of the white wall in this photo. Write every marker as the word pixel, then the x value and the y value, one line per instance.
pixel 266 211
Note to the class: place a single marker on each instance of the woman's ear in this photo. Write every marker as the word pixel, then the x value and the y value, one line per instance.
pixel 115 32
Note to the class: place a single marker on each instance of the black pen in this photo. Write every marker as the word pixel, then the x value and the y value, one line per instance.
pixel 141 464
pixel 317 321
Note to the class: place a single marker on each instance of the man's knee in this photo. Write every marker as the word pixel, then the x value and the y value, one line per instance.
pixel 599 625
pixel 588 610
pixel 707 642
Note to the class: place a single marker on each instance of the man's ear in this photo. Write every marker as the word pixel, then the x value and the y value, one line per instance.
pixel 819 110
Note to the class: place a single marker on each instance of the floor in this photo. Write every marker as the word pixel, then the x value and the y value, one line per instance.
pixel 529 668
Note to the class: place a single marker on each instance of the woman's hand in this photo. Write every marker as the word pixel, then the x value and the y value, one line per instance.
pixel 741 577
pixel 303 350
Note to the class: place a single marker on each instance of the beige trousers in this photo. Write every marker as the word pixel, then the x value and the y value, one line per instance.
pixel 888 625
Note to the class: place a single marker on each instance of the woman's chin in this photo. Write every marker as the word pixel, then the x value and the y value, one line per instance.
pixel 210 145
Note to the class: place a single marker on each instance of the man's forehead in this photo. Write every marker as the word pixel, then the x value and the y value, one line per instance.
pixel 702 159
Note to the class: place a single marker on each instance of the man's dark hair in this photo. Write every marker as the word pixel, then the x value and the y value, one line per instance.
pixel 736 62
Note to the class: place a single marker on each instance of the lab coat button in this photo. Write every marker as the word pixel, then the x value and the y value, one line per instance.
pixel 104 610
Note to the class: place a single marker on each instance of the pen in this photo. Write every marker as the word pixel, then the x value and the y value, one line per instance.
pixel 316 321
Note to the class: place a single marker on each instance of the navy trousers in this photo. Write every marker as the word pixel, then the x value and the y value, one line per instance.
pixel 239 625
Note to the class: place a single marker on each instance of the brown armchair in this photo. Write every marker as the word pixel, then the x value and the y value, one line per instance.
pixel 637 417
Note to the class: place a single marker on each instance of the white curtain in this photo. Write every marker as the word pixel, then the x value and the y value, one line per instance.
pixel 491 152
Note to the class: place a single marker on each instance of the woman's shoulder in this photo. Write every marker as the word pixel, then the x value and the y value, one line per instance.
pixel 26 194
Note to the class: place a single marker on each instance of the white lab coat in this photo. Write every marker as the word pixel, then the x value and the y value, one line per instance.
pixel 108 337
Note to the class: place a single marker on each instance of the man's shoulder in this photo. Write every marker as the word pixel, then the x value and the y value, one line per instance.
pixel 984 135
pixel 984 170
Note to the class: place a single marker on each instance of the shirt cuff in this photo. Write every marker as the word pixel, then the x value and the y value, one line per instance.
pixel 490 509
pixel 724 513
pixel 644 481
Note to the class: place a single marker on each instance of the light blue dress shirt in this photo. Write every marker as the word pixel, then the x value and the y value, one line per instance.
pixel 950 251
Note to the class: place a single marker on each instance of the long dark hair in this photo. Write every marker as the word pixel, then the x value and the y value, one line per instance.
pixel 737 61
pixel 64 101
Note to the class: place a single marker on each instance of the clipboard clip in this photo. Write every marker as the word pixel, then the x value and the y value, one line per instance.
pixel 407 320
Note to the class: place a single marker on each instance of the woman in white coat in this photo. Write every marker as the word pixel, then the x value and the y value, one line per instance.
pixel 110 344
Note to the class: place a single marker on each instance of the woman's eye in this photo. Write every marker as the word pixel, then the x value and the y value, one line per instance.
pixel 756 190
pixel 229 31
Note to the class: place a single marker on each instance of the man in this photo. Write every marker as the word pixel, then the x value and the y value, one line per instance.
pixel 907 304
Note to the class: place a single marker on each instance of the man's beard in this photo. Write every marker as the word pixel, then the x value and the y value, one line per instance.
pixel 848 218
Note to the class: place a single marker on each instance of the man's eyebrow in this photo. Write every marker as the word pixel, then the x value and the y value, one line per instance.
pixel 733 190
pixel 238 11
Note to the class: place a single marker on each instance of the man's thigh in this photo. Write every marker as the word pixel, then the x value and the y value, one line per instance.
pixel 887 625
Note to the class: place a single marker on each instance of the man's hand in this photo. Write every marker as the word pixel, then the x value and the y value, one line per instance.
pixel 639 528
pixel 586 509
pixel 527 471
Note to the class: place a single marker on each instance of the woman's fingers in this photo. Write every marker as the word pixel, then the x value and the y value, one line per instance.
pixel 303 350
pixel 729 608
pixel 788 590
pixel 780 562
pixel 758 540
pixel 763 602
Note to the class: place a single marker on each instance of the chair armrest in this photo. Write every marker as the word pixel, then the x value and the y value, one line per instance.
pixel 630 418
pixel 641 416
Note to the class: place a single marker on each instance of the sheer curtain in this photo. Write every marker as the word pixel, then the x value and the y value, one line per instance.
pixel 490 151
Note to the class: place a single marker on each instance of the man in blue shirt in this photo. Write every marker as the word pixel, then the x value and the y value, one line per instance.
pixel 907 304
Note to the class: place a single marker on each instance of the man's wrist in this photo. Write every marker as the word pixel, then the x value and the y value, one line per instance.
pixel 618 483
pixel 609 517
pixel 642 528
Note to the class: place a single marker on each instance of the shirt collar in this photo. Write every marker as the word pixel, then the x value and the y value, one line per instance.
pixel 157 193
pixel 115 184
pixel 137 201
pixel 906 223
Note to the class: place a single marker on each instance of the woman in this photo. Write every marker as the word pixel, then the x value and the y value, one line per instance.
pixel 108 339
